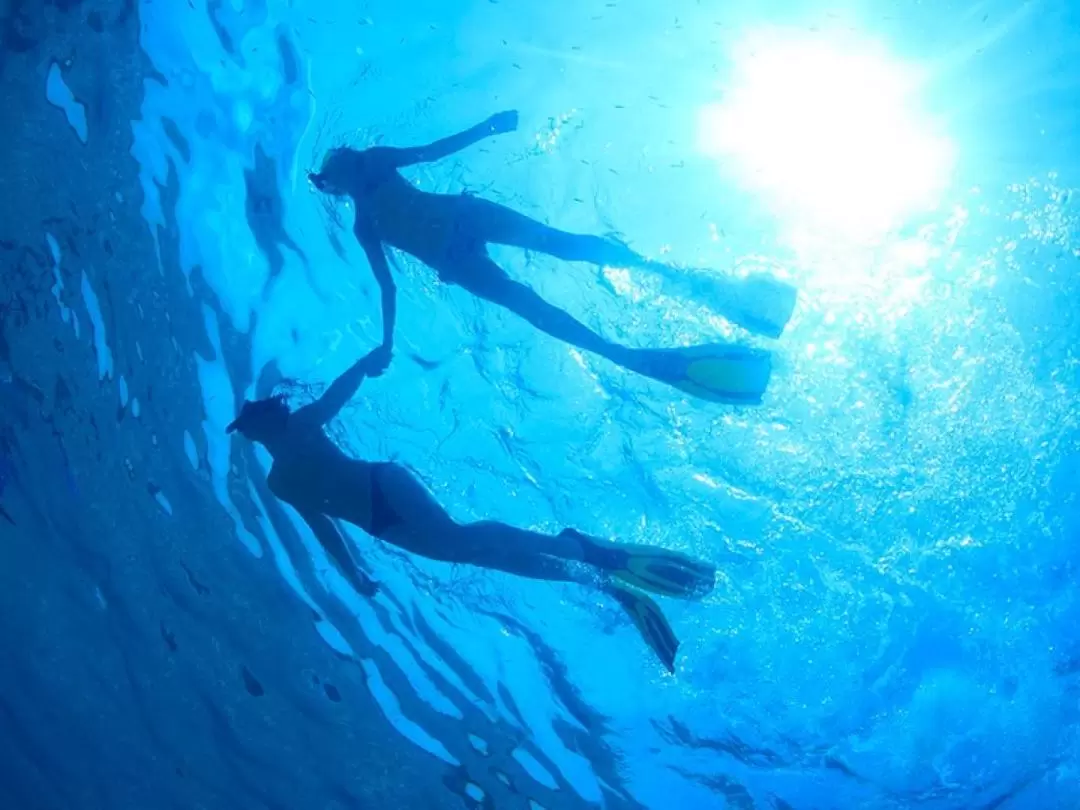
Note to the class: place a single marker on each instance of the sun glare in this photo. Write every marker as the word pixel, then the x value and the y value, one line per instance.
pixel 830 132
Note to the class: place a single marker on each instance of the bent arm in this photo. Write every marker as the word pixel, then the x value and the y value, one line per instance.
pixel 333 541
pixel 445 147
pixel 337 396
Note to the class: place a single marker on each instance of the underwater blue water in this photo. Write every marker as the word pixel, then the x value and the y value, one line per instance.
pixel 895 624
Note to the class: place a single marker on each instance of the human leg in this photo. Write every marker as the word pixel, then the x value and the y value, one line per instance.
pixel 496 224
pixel 422 526
pixel 650 568
pixel 621 572
pixel 759 302
pixel 426 529
pixel 715 372
pixel 485 279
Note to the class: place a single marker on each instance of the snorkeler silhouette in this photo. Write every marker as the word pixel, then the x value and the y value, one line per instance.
pixel 450 233
pixel 312 474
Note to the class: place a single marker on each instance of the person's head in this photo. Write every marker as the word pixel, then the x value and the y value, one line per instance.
pixel 261 420
pixel 338 168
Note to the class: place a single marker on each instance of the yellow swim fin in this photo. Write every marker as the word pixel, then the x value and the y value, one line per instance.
pixel 650 622
pixel 737 375
pixel 648 568
pixel 664 572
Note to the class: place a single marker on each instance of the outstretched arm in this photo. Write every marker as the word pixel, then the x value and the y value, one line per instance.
pixel 498 124
pixel 335 544
pixel 376 256
pixel 344 388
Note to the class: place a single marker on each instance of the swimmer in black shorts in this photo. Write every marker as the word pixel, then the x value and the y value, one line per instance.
pixel 315 477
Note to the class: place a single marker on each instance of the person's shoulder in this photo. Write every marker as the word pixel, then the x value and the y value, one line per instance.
pixel 378 153
pixel 303 422
pixel 380 160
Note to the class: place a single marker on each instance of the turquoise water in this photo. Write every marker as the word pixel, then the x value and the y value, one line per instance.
pixel 895 623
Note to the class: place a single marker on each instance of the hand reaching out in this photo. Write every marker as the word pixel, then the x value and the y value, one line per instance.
pixel 377 360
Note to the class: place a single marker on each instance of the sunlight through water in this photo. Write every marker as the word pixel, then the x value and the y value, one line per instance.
pixel 829 132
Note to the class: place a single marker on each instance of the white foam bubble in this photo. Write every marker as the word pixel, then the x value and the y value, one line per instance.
pixel 101 345
pixel 218 401
pixel 405 658
pixel 391 709
pixel 479 744
pixel 277 549
pixel 54 249
pixel 59 94
pixel 426 654
pixel 66 315
pixel 191 451
pixel 332 636
pixel 474 792
pixel 537 771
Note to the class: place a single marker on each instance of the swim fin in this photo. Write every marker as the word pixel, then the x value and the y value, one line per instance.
pixel 663 572
pixel 716 372
pixel 648 568
pixel 650 622
pixel 761 303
